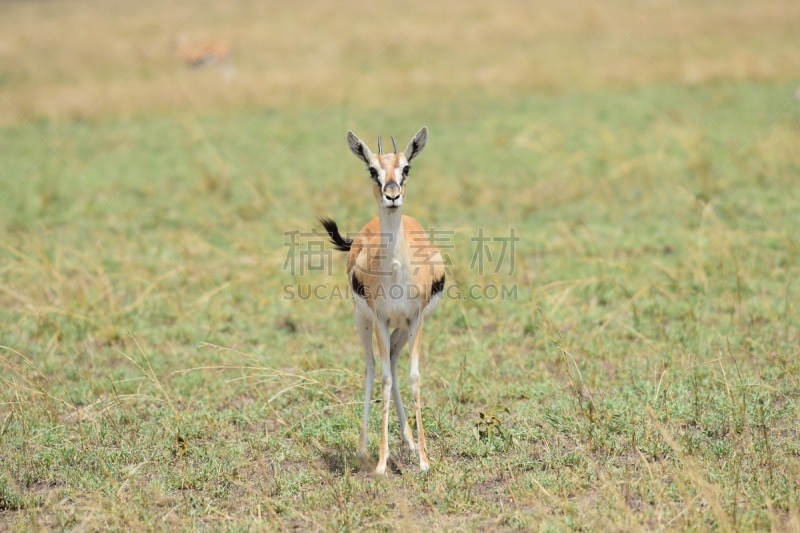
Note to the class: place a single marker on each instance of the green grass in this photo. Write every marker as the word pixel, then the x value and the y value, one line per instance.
pixel 154 376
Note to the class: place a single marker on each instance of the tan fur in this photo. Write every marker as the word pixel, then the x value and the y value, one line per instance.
pixel 424 259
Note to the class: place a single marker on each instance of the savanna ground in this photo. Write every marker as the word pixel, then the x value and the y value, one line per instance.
pixel 644 376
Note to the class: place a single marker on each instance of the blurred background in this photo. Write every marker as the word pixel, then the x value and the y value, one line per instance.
pixel 155 157
pixel 73 59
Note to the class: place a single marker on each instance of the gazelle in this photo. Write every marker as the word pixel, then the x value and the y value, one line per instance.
pixel 205 54
pixel 397 278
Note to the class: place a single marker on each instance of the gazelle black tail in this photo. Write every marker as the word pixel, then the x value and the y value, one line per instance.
pixel 339 243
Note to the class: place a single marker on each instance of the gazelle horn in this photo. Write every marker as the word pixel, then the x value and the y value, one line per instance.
pixel 380 145
pixel 394 144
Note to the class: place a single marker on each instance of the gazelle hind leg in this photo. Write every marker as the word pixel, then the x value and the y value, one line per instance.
pixel 364 327
pixel 414 334
pixel 398 341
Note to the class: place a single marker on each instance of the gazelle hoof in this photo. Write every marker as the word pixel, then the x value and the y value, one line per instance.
pixel 380 471
pixel 408 439
pixel 362 444
pixel 423 466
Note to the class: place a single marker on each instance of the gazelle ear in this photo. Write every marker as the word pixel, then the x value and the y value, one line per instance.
pixel 417 144
pixel 358 147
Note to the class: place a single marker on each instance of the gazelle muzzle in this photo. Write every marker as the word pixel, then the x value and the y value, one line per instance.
pixel 392 191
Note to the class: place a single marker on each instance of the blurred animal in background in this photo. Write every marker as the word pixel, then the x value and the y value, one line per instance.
pixel 206 54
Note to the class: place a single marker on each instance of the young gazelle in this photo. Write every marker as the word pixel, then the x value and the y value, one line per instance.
pixel 397 278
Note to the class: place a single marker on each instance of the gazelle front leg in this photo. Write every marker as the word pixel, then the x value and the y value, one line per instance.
pixel 398 341
pixel 364 327
pixel 382 336
pixel 414 335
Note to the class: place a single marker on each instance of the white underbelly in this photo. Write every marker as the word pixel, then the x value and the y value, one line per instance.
pixel 396 300
pixel 394 305
pixel 396 313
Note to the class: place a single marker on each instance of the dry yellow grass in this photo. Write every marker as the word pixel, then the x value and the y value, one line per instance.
pixel 82 58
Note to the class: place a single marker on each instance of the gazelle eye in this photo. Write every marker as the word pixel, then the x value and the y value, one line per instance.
pixel 373 173
pixel 406 170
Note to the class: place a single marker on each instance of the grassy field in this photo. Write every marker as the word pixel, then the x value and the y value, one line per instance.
pixel 644 375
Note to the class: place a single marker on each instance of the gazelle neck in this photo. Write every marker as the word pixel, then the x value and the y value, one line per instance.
pixel 392 233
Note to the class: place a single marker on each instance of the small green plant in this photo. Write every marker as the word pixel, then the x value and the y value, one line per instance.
pixel 490 428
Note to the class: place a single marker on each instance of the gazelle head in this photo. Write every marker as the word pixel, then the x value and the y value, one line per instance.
pixel 389 172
